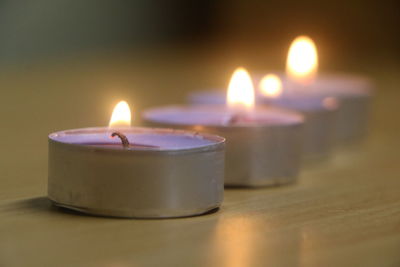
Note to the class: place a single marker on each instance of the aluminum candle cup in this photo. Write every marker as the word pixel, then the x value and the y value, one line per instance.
pixel 319 113
pixel 320 121
pixel 301 71
pixel 161 173
pixel 263 146
pixel 355 95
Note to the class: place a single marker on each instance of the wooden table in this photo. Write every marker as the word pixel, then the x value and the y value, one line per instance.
pixel 343 212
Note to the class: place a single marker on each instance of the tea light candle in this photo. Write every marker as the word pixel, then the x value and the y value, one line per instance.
pixel 303 90
pixel 140 172
pixel 353 92
pixel 318 112
pixel 263 145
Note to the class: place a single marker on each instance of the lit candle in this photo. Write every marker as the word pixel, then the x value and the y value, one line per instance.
pixel 128 171
pixel 263 145
pixel 304 88
pixel 319 113
pixel 303 80
pixel 302 61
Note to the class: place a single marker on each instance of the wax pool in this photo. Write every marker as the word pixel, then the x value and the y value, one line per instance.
pixel 140 139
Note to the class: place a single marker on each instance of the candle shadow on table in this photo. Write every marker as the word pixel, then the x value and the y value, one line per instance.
pixel 262 187
pixel 43 204
pixel 34 204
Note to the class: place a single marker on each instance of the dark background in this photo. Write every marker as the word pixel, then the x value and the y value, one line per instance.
pixel 365 31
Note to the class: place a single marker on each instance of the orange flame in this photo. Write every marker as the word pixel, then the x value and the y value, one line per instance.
pixel 121 115
pixel 240 90
pixel 302 60
pixel 271 86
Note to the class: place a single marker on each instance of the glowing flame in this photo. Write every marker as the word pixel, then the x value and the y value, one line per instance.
pixel 121 115
pixel 240 89
pixel 271 85
pixel 302 60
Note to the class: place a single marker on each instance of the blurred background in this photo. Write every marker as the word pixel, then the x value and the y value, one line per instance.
pixel 361 30
pixel 65 64
pixel 134 50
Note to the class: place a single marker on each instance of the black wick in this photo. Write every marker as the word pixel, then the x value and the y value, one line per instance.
pixel 124 140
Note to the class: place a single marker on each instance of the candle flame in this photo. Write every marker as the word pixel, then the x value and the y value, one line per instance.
pixel 271 86
pixel 302 60
pixel 121 115
pixel 241 89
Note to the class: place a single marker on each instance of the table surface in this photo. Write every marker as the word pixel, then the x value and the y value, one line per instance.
pixel 341 212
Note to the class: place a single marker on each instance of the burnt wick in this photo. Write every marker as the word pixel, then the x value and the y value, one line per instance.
pixel 124 140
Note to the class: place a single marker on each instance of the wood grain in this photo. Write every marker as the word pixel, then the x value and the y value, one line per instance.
pixel 343 212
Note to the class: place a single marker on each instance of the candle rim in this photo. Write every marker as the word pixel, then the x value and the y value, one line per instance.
pixel 295 117
pixel 215 141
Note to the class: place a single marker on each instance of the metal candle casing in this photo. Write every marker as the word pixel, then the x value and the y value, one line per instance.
pixel 353 93
pixel 138 183
pixel 352 117
pixel 320 124
pixel 319 137
pixel 320 116
pixel 262 155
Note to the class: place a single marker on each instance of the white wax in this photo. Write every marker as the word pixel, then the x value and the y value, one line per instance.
pixel 342 85
pixel 145 138
pixel 327 84
pixel 298 96
pixel 221 116
pixel 208 97
pixel 301 102
pixel 334 85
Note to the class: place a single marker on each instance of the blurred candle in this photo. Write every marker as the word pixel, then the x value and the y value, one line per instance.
pixel 303 83
pixel 271 86
pixel 263 144
pixel 352 92
pixel 319 112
